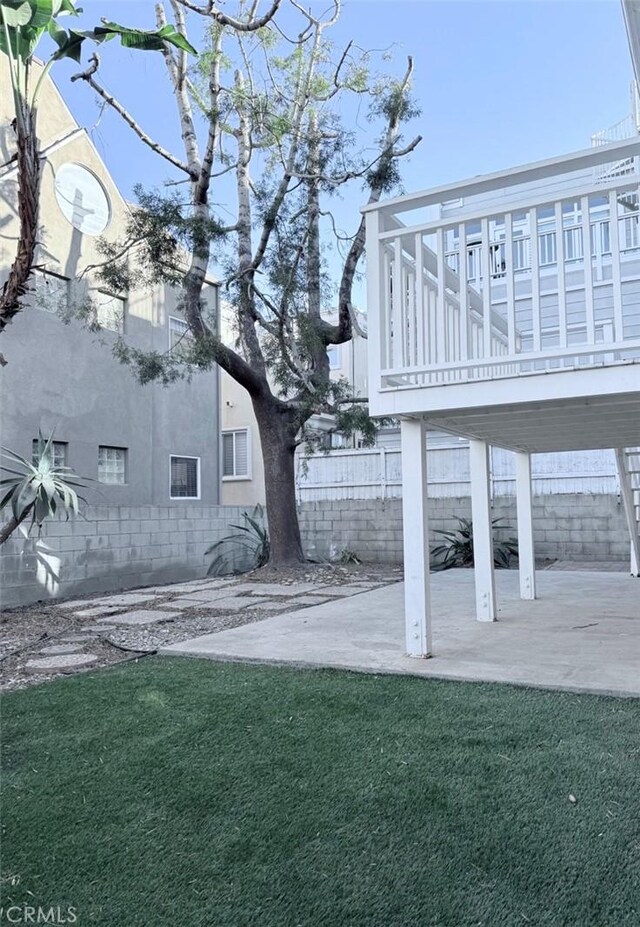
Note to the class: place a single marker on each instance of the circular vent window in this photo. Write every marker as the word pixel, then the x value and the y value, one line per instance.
pixel 82 199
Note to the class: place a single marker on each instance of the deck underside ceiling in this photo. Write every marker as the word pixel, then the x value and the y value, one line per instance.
pixel 563 425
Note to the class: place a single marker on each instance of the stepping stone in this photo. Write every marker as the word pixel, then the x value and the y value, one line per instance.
pixel 124 600
pixel 222 603
pixel 101 610
pixel 187 586
pixel 140 617
pixel 56 649
pixel 76 603
pixel 338 591
pixel 265 605
pixel 60 664
pixel 184 603
pixel 311 599
pixel 271 589
pixel 75 638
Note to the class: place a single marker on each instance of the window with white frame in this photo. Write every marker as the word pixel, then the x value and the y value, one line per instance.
pixel 51 292
pixel 333 353
pixel 547 248
pixel 179 332
pixel 572 244
pixel 521 260
pixel 112 465
pixel 235 454
pixel 110 312
pixel 185 477
pixel 59 451
pixel 629 237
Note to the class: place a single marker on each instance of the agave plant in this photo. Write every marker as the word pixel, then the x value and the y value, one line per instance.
pixel 252 539
pixel 457 551
pixel 37 489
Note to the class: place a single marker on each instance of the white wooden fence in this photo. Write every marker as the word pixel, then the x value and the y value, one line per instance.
pixel 377 473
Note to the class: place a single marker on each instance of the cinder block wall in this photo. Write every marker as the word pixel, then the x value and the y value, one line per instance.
pixel 110 548
pixel 567 527
pixel 120 547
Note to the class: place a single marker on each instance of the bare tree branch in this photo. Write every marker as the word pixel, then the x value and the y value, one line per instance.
pixel 252 24
pixel 87 76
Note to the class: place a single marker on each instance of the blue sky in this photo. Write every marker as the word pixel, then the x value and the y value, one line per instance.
pixel 499 83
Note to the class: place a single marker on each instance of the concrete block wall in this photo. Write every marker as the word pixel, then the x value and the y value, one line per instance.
pixel 567 527
pixel 121 547
pixel 112 547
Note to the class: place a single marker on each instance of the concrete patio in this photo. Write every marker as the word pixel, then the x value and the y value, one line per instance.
pixel 581 634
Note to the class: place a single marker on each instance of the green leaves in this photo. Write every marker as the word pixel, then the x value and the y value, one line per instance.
pixel 140 38
pixel 457 549
pixel 15 15
pixel 24 22
pixel 252 542
pixel 38 488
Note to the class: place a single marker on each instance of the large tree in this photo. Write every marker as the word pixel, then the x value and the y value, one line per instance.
pixel 261 117
pixel 23 24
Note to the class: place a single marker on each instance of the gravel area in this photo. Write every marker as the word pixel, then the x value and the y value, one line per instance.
pixel 25 632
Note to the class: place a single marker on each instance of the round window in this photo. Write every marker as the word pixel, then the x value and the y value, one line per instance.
pixel 82 199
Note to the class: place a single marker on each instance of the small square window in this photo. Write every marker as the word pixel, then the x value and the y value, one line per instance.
pixel 59 452
pixel 110 312
pixel 112 465
pixel 235 454
pixel 179 333
pixel 51 292
pixel 185 478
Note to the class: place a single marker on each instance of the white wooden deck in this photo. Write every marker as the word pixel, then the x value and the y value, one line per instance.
pixel 505 309
pixel 525 281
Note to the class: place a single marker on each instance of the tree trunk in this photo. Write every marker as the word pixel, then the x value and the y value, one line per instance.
pixel 277 430
pixel 29 175
pixel 7 530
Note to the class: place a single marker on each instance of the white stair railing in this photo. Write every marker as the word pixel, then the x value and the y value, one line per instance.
pixel 628 460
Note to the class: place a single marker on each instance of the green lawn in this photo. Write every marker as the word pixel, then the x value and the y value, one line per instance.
pixel 182 792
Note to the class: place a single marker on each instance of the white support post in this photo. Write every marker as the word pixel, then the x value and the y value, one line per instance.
pixel 524 504
pixel 486 609
pixel 415 529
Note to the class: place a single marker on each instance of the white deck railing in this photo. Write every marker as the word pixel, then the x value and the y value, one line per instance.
pixel 529 271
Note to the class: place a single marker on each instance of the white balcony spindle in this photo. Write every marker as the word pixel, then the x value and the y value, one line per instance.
pixel 386 309
pixel 511 290
pixel 397 306
pixel 420 294
pixel 614 233
pixel 535 278
pixel 486 289
pixel 411 311
pixel 441 305
pixel 588 271
pixel 562 282
pixel 464 296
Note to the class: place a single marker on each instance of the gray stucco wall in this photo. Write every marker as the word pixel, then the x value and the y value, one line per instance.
pixel 566 527
pixel 64 378
pixel 112 547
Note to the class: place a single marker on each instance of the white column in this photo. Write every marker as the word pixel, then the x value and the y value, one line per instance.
pixel 415 529
pixel 482 531
pixel 524 503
